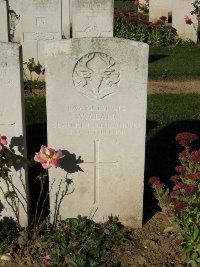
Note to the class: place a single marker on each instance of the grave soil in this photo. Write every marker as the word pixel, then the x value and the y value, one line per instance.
pixel 178 85
pixel 149 247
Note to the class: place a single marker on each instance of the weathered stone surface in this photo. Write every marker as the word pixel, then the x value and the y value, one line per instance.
pixel 159 8
pixel 66 19
pixel 15 20
pixel 15 24
pixel 3 21
pixel 184 30
pixel 41 23
pixel 96 109
pixel 12 118
pixel 92 18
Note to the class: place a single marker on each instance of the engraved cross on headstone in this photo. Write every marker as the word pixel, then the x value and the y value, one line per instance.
pixel 97 164
pixel 92 29
pixel 40 34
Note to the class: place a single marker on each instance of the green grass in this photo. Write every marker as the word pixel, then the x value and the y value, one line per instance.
pixel 166 109
pixel 35 109
pixel 174 61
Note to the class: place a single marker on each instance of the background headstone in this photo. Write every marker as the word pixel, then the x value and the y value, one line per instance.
pixel 66 19
pixel 15 20
pixel 159 8
pixel 96 109
pixel 12 117
pixel 3 21
pixel 41 23
pixel 184 30
pixel 92 18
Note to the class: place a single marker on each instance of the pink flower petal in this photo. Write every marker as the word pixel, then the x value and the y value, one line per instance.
pixel 3 140
pixel 39 158
pixel 47 257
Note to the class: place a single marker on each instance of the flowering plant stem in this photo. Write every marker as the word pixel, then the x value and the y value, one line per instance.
pixel 13 196
pixel 42 178
pixel 59 201
pixel 181 204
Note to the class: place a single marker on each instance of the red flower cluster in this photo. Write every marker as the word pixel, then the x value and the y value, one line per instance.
pixel 180 185
pixel 186 138
pixel 155 182
pixel 193 176
pixel 175 193
pixel 180 168
pixel 175 178
pixel 195 156
pixel 190 190
pixel 178 242
pixel 179 205
pixel 183 154
pixel 167 198
pixel 163 18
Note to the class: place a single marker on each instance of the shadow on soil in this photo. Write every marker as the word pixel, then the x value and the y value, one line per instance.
pixel 153 58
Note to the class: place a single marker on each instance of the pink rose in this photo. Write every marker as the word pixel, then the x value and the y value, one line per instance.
pixel 3 141
pixel 47 258
pixel 187 19
pixel 48 157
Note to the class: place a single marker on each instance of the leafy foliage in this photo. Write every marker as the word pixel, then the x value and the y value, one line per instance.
pixel 181 204
pixel 7 233
pixel 131 25
pixel 29 85
pixel 34 68
pixel 81 242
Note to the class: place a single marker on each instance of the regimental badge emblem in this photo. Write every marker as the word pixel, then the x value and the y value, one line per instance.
pixel 96 76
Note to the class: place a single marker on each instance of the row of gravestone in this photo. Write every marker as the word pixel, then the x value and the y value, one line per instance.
pixel 178 9
pixel 82 14
pixel 35 22
pixel 90 16
pixel 96 96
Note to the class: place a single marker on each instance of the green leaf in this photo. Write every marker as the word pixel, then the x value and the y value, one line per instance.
pixel 169 229
pixel 195 232
pixel 193 263
pixel 194 256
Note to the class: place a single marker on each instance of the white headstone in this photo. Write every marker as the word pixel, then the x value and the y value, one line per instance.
pixel 3 21
pixel 185 30
pixel 70 11
pixel 96 109
pixel 66 19
pixel 15 20
pixel 12 118
pixel 41 23
pixel 159 8
pixel 92 18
